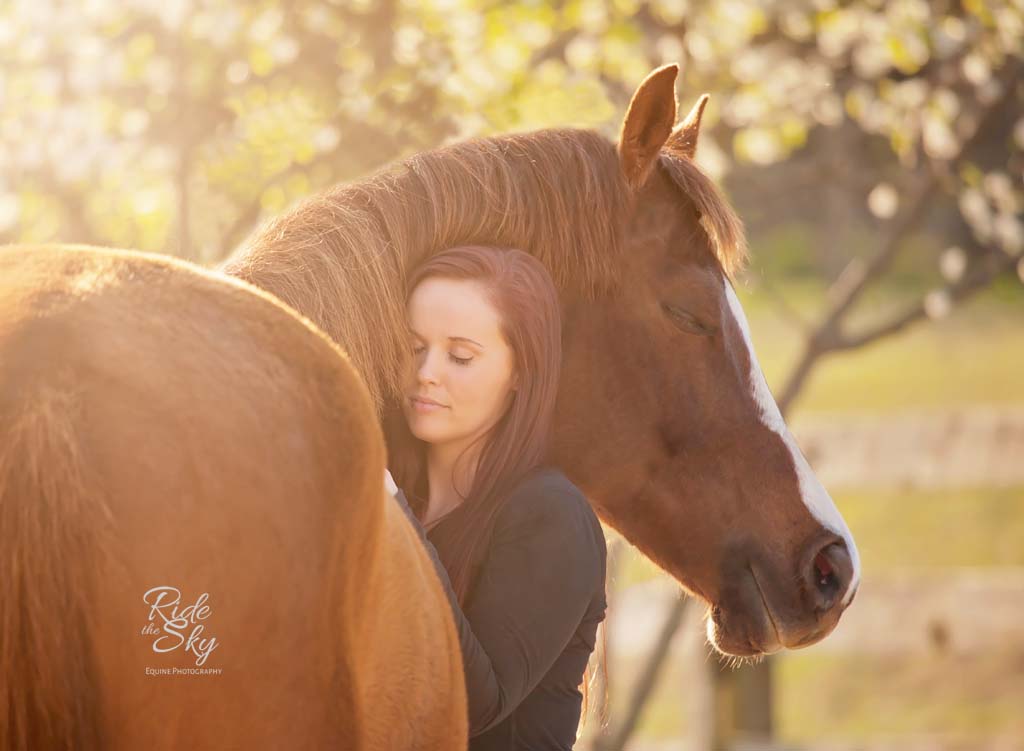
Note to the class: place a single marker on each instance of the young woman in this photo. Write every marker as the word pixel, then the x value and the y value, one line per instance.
pixel 518 549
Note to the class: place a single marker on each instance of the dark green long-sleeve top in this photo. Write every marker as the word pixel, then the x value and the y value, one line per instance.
pixel 530 623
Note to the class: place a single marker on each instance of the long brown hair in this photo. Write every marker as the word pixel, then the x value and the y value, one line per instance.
pixel 523 294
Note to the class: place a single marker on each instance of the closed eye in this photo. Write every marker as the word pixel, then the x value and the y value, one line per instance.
pixel 687 321
pixel 455 359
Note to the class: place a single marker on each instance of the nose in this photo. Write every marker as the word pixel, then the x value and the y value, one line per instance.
pixel 828 576
pixel 425 370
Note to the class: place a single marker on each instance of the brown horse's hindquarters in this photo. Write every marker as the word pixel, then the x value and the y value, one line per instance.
pixel 161 426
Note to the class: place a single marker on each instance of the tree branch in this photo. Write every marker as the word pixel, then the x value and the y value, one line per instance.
pixel 856 277
pixel 649 677
pixel 998 262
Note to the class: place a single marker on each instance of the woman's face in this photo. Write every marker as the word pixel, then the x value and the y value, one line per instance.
pixel 462 362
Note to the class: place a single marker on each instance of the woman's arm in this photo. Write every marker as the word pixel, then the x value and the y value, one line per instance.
pixel 543 569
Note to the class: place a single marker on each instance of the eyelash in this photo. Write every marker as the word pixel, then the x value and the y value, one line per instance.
pixel 687 321
pixel 461 361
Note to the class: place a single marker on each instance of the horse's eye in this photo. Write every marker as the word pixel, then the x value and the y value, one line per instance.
pixel 686 320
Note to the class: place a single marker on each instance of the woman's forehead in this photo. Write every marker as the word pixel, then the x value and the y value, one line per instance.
pixel 441 308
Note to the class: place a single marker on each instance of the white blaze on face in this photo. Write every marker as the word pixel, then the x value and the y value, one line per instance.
pixel 813 493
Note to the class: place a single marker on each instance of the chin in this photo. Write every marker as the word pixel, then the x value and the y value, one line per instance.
pixel 753 638
pixel 425 432
pixel 427 436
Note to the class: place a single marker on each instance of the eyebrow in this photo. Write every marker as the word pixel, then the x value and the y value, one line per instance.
pixel 454 339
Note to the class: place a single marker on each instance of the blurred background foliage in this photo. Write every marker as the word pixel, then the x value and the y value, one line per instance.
pixel 175 125
pixel 869 146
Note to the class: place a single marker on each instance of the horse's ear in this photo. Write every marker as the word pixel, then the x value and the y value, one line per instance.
pixel 684 138
pixel 648 123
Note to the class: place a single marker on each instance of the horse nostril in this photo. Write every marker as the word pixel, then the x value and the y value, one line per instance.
pixel 823 570
pixel 825 575
pixel 830 574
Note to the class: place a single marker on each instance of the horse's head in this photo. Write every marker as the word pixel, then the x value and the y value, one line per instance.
pixel 663 418
pixel 666 420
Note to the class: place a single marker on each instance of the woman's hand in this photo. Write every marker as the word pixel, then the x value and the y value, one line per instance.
pixel 399 496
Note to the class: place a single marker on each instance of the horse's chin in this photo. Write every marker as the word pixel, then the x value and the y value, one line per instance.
pixel 747 623
pixel 741 642
pixel 747 628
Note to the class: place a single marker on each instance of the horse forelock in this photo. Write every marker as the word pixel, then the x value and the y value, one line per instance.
pixel 718 218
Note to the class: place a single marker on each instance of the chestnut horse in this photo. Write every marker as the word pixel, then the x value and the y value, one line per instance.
pixel 664 418
pixel 167 433
pixel 146 407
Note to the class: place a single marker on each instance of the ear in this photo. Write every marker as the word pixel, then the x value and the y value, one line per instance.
pixel 648 124
pixel 684 138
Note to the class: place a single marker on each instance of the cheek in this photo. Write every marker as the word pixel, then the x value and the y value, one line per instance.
pixel 479 388
pixel 466 385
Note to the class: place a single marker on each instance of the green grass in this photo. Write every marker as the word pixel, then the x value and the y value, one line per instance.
pixel 858 698
pixel 936 529
pixel 976 355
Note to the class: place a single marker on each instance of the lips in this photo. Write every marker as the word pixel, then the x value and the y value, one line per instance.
pixel 425 400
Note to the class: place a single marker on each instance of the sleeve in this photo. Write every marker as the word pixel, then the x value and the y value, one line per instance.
pixel 542 571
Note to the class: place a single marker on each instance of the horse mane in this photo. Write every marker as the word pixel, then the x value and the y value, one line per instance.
pixel 341 258
pixel 718 218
